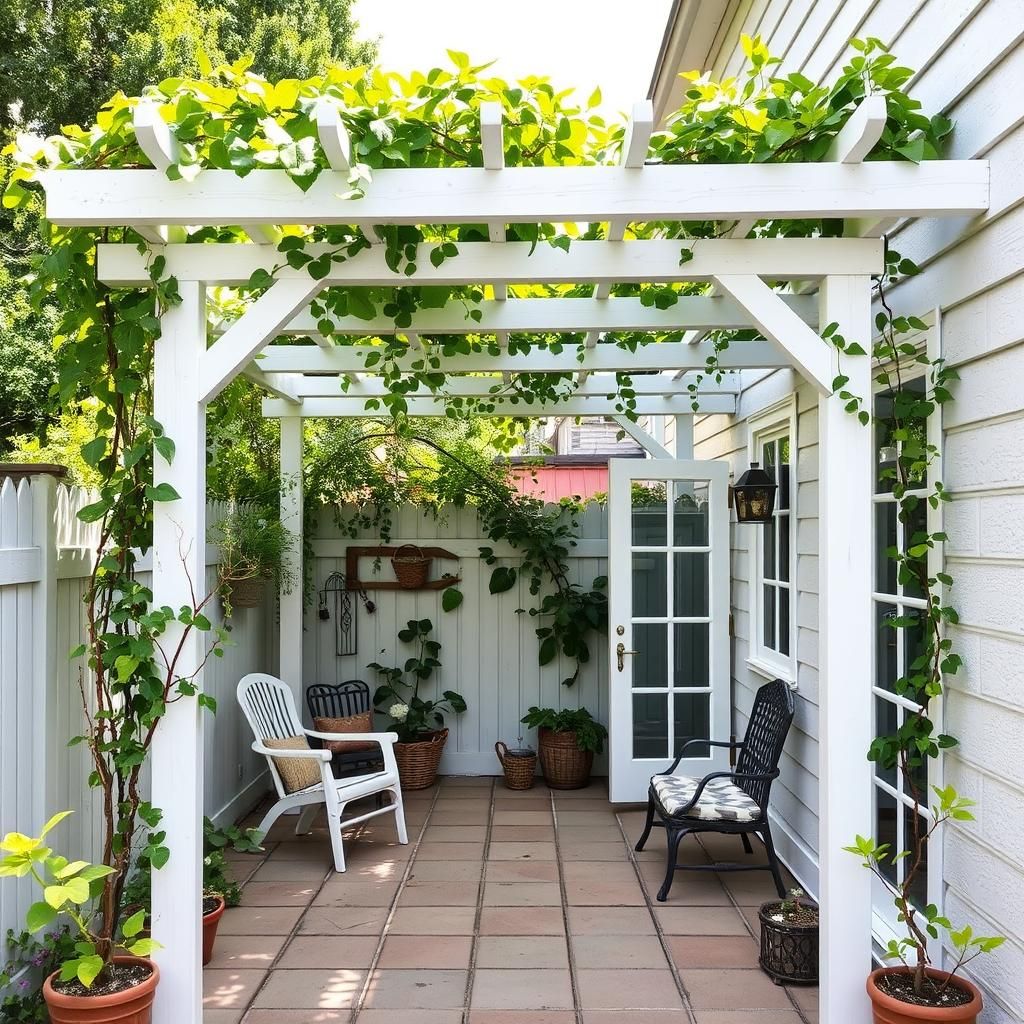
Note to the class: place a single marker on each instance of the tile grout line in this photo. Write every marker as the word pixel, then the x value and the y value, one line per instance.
pixel 659 931
pixel 474 945
pixel 563 892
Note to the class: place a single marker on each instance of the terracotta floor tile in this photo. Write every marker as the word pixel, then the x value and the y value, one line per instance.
pixel 522 894
pixel 604 894
pixel 505 990
pixel 522 871
pixel 569 817
pixel 628 989
pixel 618 951
pixel 583 850
pixel 522 851
pixel 538 791
pixel 446 870
pixel 459 782
pixel 472 816
pixel 279 870
pixel 733 989
pixel 231 988
pixel 640 1017
pixel 508 802
pixel 437 894
pixel 522 1017
pixel 610 921
pixel 700 921
pixel 592 834
pixel 522 817
pixel 597 871
pixel 259 920
pixel 441 952
pixel 416 990
pixel 315 952
pixel 805 996
pixel 222 1016
pixel 450 851
pixel 433 921
pixel 712 951
pixel 455 833
pixel 343 921
pixel 522 951
pixel 307 1016
pixel 351 893
pixel 279 894
pixel 245 951
pixel 371 1016
pixel 523 834
pixel 521 921
pixel 324 990
pixel 746 1017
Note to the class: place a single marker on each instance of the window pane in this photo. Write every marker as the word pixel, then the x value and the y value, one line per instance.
pixel 785 472
pixel 691 584
pixel 650 525
pixel 887 721
pixel 691 654
pixel 768 550
pixel 784 528
pixel 913 645
pixel 650 665
pixel 885 446
pixel 886 669
pixel 768 618
pixel 690 514
pixel 914 532
pixel 885 830
pixel 919 886
pixel 768 458
pixel 692 721
pixel 650 725
pixel 650 584
pixel 784 621
pixel 885 538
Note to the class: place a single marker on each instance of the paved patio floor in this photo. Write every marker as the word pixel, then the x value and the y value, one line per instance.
pixel 505 908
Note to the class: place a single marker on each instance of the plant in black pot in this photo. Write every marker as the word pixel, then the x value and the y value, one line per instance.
pixel 567 741
pixel 789 939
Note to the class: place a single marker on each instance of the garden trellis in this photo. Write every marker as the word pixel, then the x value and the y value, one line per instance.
pixel 312 375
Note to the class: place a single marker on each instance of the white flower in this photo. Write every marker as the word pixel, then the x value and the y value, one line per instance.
pixel 399 712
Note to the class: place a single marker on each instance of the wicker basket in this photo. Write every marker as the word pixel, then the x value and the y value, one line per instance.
pixel 247 593
pixel 418 762
pixel 789 949
pixel 520 766
pixel 564 765
pixel 411 566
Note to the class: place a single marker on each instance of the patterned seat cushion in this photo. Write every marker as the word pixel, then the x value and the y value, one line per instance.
pixel 722 799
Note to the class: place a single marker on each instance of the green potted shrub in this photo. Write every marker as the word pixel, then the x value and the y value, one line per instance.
pixel 418 722
pixel 566 741
pixel 95 983
pixel 253 552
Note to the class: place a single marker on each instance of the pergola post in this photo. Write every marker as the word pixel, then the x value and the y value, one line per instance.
pixel 845 517
pixel 291 518
pixel 179 578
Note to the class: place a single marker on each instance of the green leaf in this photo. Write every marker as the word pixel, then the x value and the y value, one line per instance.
pixel 94 512
pixel 502 578
pixel 89 968
pixel 93 451
pixel 165 446
pixel 134 924
pixel 39 915
pixel 451 599
pixel 162 492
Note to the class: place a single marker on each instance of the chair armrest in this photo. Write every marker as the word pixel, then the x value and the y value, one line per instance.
pixel 383 738
pixel 312 752
pixel 735 776
pixel 733 745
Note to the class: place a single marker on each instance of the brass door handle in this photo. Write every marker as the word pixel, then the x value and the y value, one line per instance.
pixel 621 652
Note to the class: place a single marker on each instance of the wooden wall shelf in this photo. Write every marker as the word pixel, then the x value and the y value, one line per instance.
pixel 354 552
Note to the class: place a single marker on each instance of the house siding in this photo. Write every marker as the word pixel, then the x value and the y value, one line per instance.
pixel 970 66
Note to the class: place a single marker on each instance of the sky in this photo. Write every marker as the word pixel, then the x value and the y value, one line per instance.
pixel 581 43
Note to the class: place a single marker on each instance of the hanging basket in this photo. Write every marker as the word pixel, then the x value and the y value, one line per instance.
pixel 247 593
pixel 564 765
pixel 411 566
pixel 789 949
pixel 520 766
pixel 418 762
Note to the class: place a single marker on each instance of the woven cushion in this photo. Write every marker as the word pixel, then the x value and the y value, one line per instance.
pixel 296 772
pixel 722 799
pixel 353 723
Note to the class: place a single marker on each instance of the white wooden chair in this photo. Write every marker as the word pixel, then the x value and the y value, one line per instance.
pixel 269 707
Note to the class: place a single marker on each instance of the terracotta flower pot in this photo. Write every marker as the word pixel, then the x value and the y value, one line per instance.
pixel 210 923
pixel 886 1010
pixel 132 1006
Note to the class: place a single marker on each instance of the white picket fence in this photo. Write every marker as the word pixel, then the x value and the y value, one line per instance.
pixel 46 555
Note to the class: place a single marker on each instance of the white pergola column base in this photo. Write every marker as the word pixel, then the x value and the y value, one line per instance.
pixel 845 623
pixel 179 572
pixel 290 669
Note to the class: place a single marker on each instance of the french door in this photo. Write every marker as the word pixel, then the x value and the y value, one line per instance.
pixel 668 616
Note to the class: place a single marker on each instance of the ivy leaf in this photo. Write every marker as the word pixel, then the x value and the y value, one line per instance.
pixel 503 578
pixel 39 915
pixel 162 492
pixel 93 451
pixel 165 446
pixel 94 512
pixel 451 599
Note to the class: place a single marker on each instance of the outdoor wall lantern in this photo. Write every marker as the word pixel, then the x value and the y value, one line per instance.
pixel 754 495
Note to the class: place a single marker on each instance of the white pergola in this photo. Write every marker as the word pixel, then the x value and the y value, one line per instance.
pixel 830 282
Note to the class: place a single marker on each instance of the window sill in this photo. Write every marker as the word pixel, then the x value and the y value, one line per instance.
pixel 770 671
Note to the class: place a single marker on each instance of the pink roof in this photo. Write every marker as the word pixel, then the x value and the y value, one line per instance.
pixel 552 483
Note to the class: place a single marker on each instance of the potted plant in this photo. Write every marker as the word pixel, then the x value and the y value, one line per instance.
pixel 253 551
pixel 418 722
pixel 566 741
pixel 789 939
pixel 93 984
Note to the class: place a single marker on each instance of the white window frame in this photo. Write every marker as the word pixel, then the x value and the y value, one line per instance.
pixel 884 925
pixel 773 422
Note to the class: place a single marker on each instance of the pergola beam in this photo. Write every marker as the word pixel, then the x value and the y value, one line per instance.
pixel 279 385
pixel 473 195
pixel 781 259
pixel 653 448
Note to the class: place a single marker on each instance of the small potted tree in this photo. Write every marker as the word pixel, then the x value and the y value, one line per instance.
pixel 253 548
pixel 95 983
pixel 418 722
pixel 789 939
pixel 566 741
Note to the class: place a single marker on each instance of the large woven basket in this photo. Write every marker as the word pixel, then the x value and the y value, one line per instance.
pixel 564 765
pixel 520 766
pixel 418 762
pixel 247 593
pixel 411 566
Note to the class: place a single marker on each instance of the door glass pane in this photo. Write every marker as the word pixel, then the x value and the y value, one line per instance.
pixel 784 621
pixel 691 655
pixel 691 584
pixel 650 663
pixel 650 584
pixel 692 721
pixel 885 647
pixel 650 725
pixel 768 623
pixel 784 547
pixel 885 830
pixel 649 516
pixel 690 514
pixel 887 721
pixel 885 538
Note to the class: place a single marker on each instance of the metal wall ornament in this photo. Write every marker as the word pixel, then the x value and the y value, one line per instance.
pixel 754 496
pixel 344 611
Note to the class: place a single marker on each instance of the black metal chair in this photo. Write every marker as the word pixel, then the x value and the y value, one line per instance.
pixel 732 802
pixel 343 700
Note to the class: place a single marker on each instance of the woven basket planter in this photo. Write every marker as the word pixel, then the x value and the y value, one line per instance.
pixel 564 765
pixel 789 949
pixel 411 567
pixel 247 593
pixel 418 762
pixel 519 766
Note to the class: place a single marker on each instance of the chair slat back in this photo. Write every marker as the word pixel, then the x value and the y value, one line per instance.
pixel 269 707
pixel 341 700
pixel 770 719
